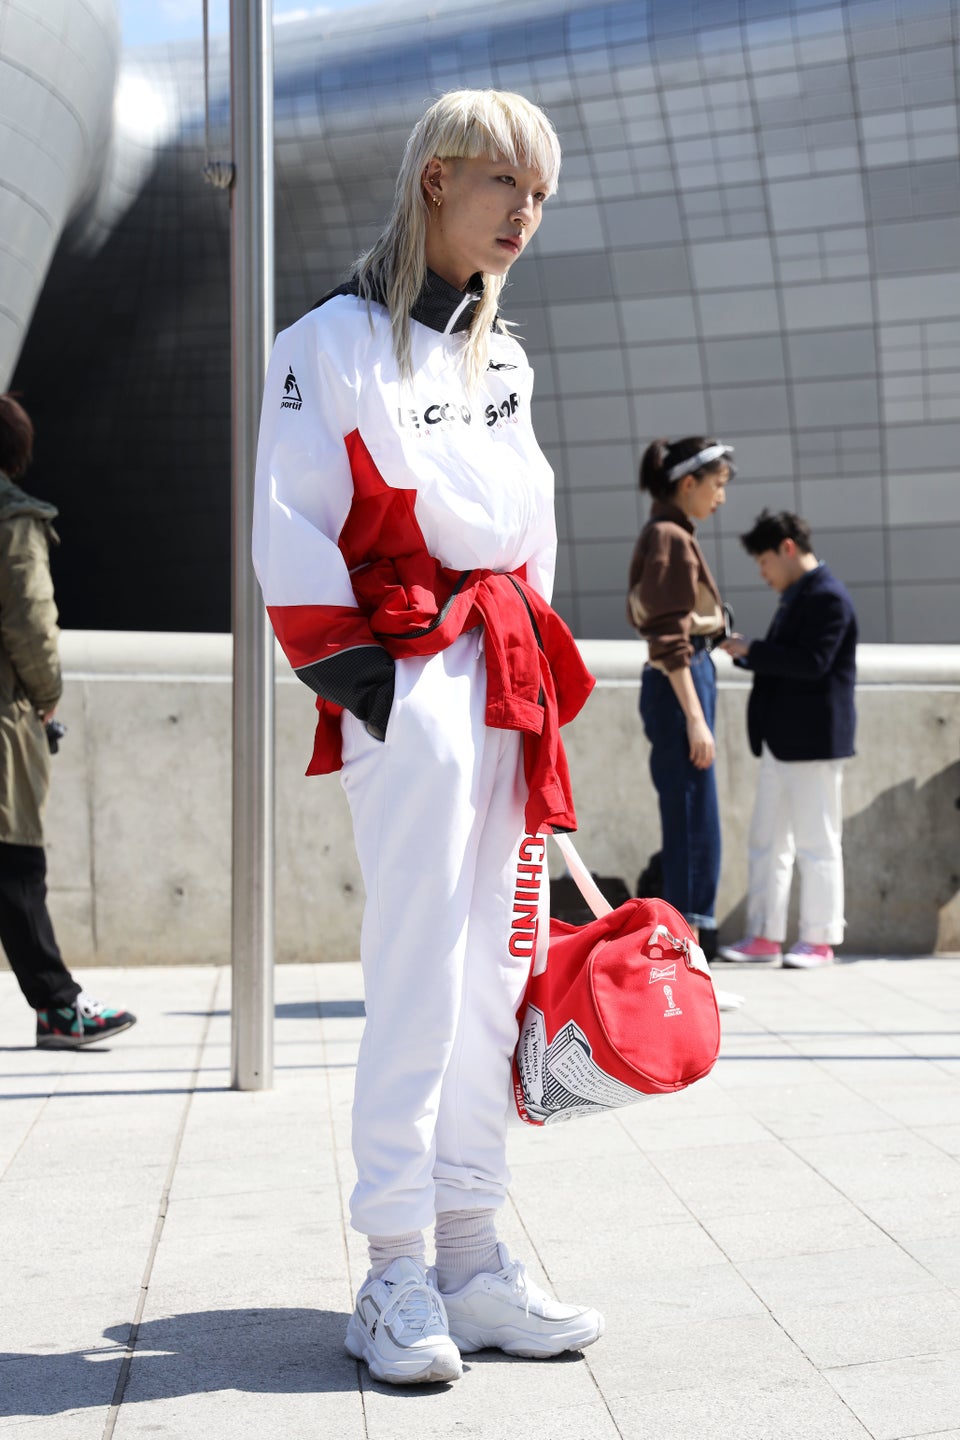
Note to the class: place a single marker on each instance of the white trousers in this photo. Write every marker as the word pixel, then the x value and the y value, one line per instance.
pixel 797 815
pixel 447 942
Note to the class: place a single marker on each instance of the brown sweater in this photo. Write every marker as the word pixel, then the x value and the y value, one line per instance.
pixel 672 594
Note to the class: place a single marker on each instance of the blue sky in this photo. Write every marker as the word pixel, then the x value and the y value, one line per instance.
pixel 151 22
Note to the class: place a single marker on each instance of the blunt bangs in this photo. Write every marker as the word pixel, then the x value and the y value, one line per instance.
pixel 494 124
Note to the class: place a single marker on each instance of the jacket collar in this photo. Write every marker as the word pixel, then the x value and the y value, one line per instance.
pixel 666 510
pixel 443 307
pixel 440 306
pixel 14 501
pixel 801 582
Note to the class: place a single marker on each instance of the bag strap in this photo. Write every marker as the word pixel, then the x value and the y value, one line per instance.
pixel 584 881
pixel 600 905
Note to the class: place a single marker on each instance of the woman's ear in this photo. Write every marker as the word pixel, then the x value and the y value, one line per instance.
pixel 432 179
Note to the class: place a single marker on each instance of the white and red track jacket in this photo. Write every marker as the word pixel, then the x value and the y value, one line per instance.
pixel 390 515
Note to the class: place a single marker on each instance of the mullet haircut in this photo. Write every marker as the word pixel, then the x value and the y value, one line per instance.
pixel 461 125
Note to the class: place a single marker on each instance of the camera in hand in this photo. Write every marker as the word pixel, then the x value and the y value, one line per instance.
pixel 55 732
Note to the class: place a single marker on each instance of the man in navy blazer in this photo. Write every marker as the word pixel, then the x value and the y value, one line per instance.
pixel 801 721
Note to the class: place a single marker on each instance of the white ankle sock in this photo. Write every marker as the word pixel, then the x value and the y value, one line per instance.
pixel 384 1249
pixel 466 1246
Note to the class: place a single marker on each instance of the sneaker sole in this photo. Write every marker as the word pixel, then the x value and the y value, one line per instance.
pixel 435 1370
pixel 516 1341
pixel 805 962
pixel 748 959
pixel 77 1042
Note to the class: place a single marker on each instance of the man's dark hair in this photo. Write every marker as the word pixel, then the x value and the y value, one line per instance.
pixel 16 437
pixel 769 532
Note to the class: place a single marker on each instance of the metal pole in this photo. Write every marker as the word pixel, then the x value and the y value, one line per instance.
pixel 252 330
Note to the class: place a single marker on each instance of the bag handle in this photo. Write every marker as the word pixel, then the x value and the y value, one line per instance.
pixel 584 881
pixel 600 906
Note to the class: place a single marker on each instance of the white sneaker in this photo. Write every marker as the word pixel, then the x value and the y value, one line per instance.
pixel 506 1311
pixel 399 1327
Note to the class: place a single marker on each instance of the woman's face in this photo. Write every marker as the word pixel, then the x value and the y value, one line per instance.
pixel 703 494
pixel 489 211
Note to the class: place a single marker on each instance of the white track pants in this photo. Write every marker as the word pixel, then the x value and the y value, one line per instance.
pixel 797 815
pixel 438 822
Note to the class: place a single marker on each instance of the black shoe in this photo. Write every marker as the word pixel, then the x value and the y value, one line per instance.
pixel 84 1022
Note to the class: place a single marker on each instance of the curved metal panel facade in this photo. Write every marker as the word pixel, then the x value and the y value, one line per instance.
pixel 757 236
pixel 58 68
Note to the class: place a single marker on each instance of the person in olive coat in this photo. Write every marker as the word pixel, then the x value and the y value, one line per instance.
pixel 30 687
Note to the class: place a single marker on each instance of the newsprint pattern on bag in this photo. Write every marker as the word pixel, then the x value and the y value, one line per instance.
pixel 562 1079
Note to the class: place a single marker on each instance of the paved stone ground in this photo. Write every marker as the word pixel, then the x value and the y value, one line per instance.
pixel 777 1250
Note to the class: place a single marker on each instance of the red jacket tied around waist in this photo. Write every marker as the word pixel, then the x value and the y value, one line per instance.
pixel 536 679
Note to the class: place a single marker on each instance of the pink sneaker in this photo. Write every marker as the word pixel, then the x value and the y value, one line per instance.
pixel 806 957
pixel 754 948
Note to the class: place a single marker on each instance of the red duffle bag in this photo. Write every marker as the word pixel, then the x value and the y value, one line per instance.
pixel 624 1009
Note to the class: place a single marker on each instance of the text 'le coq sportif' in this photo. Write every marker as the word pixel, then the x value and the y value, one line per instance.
pixel 451 410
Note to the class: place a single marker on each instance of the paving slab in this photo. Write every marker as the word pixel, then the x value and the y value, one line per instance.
pixel 788 1230
pixel 776 1250
pixel 887 1327
pixel 497 1399
pixel 746 1349
pixel 78 1426
pixel 941 1257
pixel 774 1410
pixel 833 1278
pixel 821 1107
pixel 896 1398
pixel 934 1435
pixel 732 1179
pixel 872 1166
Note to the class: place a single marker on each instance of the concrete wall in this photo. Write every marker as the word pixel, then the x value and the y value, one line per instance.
pixel 139 825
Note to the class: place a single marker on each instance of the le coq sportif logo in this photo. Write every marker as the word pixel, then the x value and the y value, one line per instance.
pixel 292 399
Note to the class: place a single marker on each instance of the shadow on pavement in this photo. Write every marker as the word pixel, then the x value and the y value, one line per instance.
pixel 298 1010
pixel 258 1351
pixel 254 1351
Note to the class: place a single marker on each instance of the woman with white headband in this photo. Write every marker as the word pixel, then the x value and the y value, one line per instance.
pixel 674 603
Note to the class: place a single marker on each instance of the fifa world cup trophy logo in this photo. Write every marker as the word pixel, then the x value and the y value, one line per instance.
pixel 667 990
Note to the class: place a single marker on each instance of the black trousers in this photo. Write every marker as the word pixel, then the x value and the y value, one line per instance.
pixel 26 930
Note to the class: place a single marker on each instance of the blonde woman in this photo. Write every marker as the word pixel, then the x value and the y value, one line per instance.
pixel 405 541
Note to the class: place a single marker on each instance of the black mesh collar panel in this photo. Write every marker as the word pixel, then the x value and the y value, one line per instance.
pixel 436 306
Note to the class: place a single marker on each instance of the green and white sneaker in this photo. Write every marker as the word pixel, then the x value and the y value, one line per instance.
pixel 85 1022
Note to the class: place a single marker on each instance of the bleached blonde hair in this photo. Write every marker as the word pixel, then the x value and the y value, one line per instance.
pixel 461 125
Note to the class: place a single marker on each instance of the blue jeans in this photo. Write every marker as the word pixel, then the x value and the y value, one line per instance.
pixel 689 814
